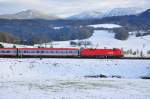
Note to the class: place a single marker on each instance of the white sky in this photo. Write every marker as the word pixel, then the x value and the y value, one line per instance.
pixel 66 7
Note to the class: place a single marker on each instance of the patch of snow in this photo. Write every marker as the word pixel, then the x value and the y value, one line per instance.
pixel 57 28
pixel 134 33
pixel 105 26
pixel 10 45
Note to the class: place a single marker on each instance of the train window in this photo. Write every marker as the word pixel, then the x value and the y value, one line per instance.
pixel 42 51
pixel 66 51
pixel 3 51
pixel 7 51
pixel 70 51
pixel 59 51
pixel 31 51
pixel 38 51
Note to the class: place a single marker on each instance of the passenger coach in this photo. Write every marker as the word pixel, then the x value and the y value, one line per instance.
pixel 8 52
pixel 48 52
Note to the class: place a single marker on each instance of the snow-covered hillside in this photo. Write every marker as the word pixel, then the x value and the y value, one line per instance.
pixel 106 39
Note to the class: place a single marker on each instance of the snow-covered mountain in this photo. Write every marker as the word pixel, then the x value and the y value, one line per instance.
pixel 88 15
pixel 123 11
pixel 28 14
pixel 98 14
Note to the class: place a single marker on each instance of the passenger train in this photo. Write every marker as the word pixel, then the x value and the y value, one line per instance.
pixel 61 52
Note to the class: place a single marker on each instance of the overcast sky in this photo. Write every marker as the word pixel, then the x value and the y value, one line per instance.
pixel 63 7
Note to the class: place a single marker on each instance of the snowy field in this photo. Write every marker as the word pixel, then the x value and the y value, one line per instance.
pixel 65 79
pixel 76 89
pixel 102 38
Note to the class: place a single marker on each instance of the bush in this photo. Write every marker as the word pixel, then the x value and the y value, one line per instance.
pixel 73 43
pixel 148 52
pixel 14 46
pixel 1 46
pixel 121 34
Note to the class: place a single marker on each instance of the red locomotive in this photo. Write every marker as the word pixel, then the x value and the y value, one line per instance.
pixel 102 53
pixel 61 52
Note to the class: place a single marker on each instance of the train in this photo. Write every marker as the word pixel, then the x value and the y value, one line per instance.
pixel 61 52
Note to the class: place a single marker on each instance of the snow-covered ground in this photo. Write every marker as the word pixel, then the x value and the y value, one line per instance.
pixel 76 89
pixel 65 79
pixel 21 69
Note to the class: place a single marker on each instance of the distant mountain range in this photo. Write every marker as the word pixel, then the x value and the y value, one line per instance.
pixel 98 14
pixel 94 14
pixel 138 21
pixel 87 15
pixel 29 14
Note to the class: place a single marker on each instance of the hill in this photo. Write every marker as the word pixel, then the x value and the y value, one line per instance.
pixel 99 14
pixel 29 14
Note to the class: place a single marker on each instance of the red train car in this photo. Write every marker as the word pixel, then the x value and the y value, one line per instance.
pixel 102 53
